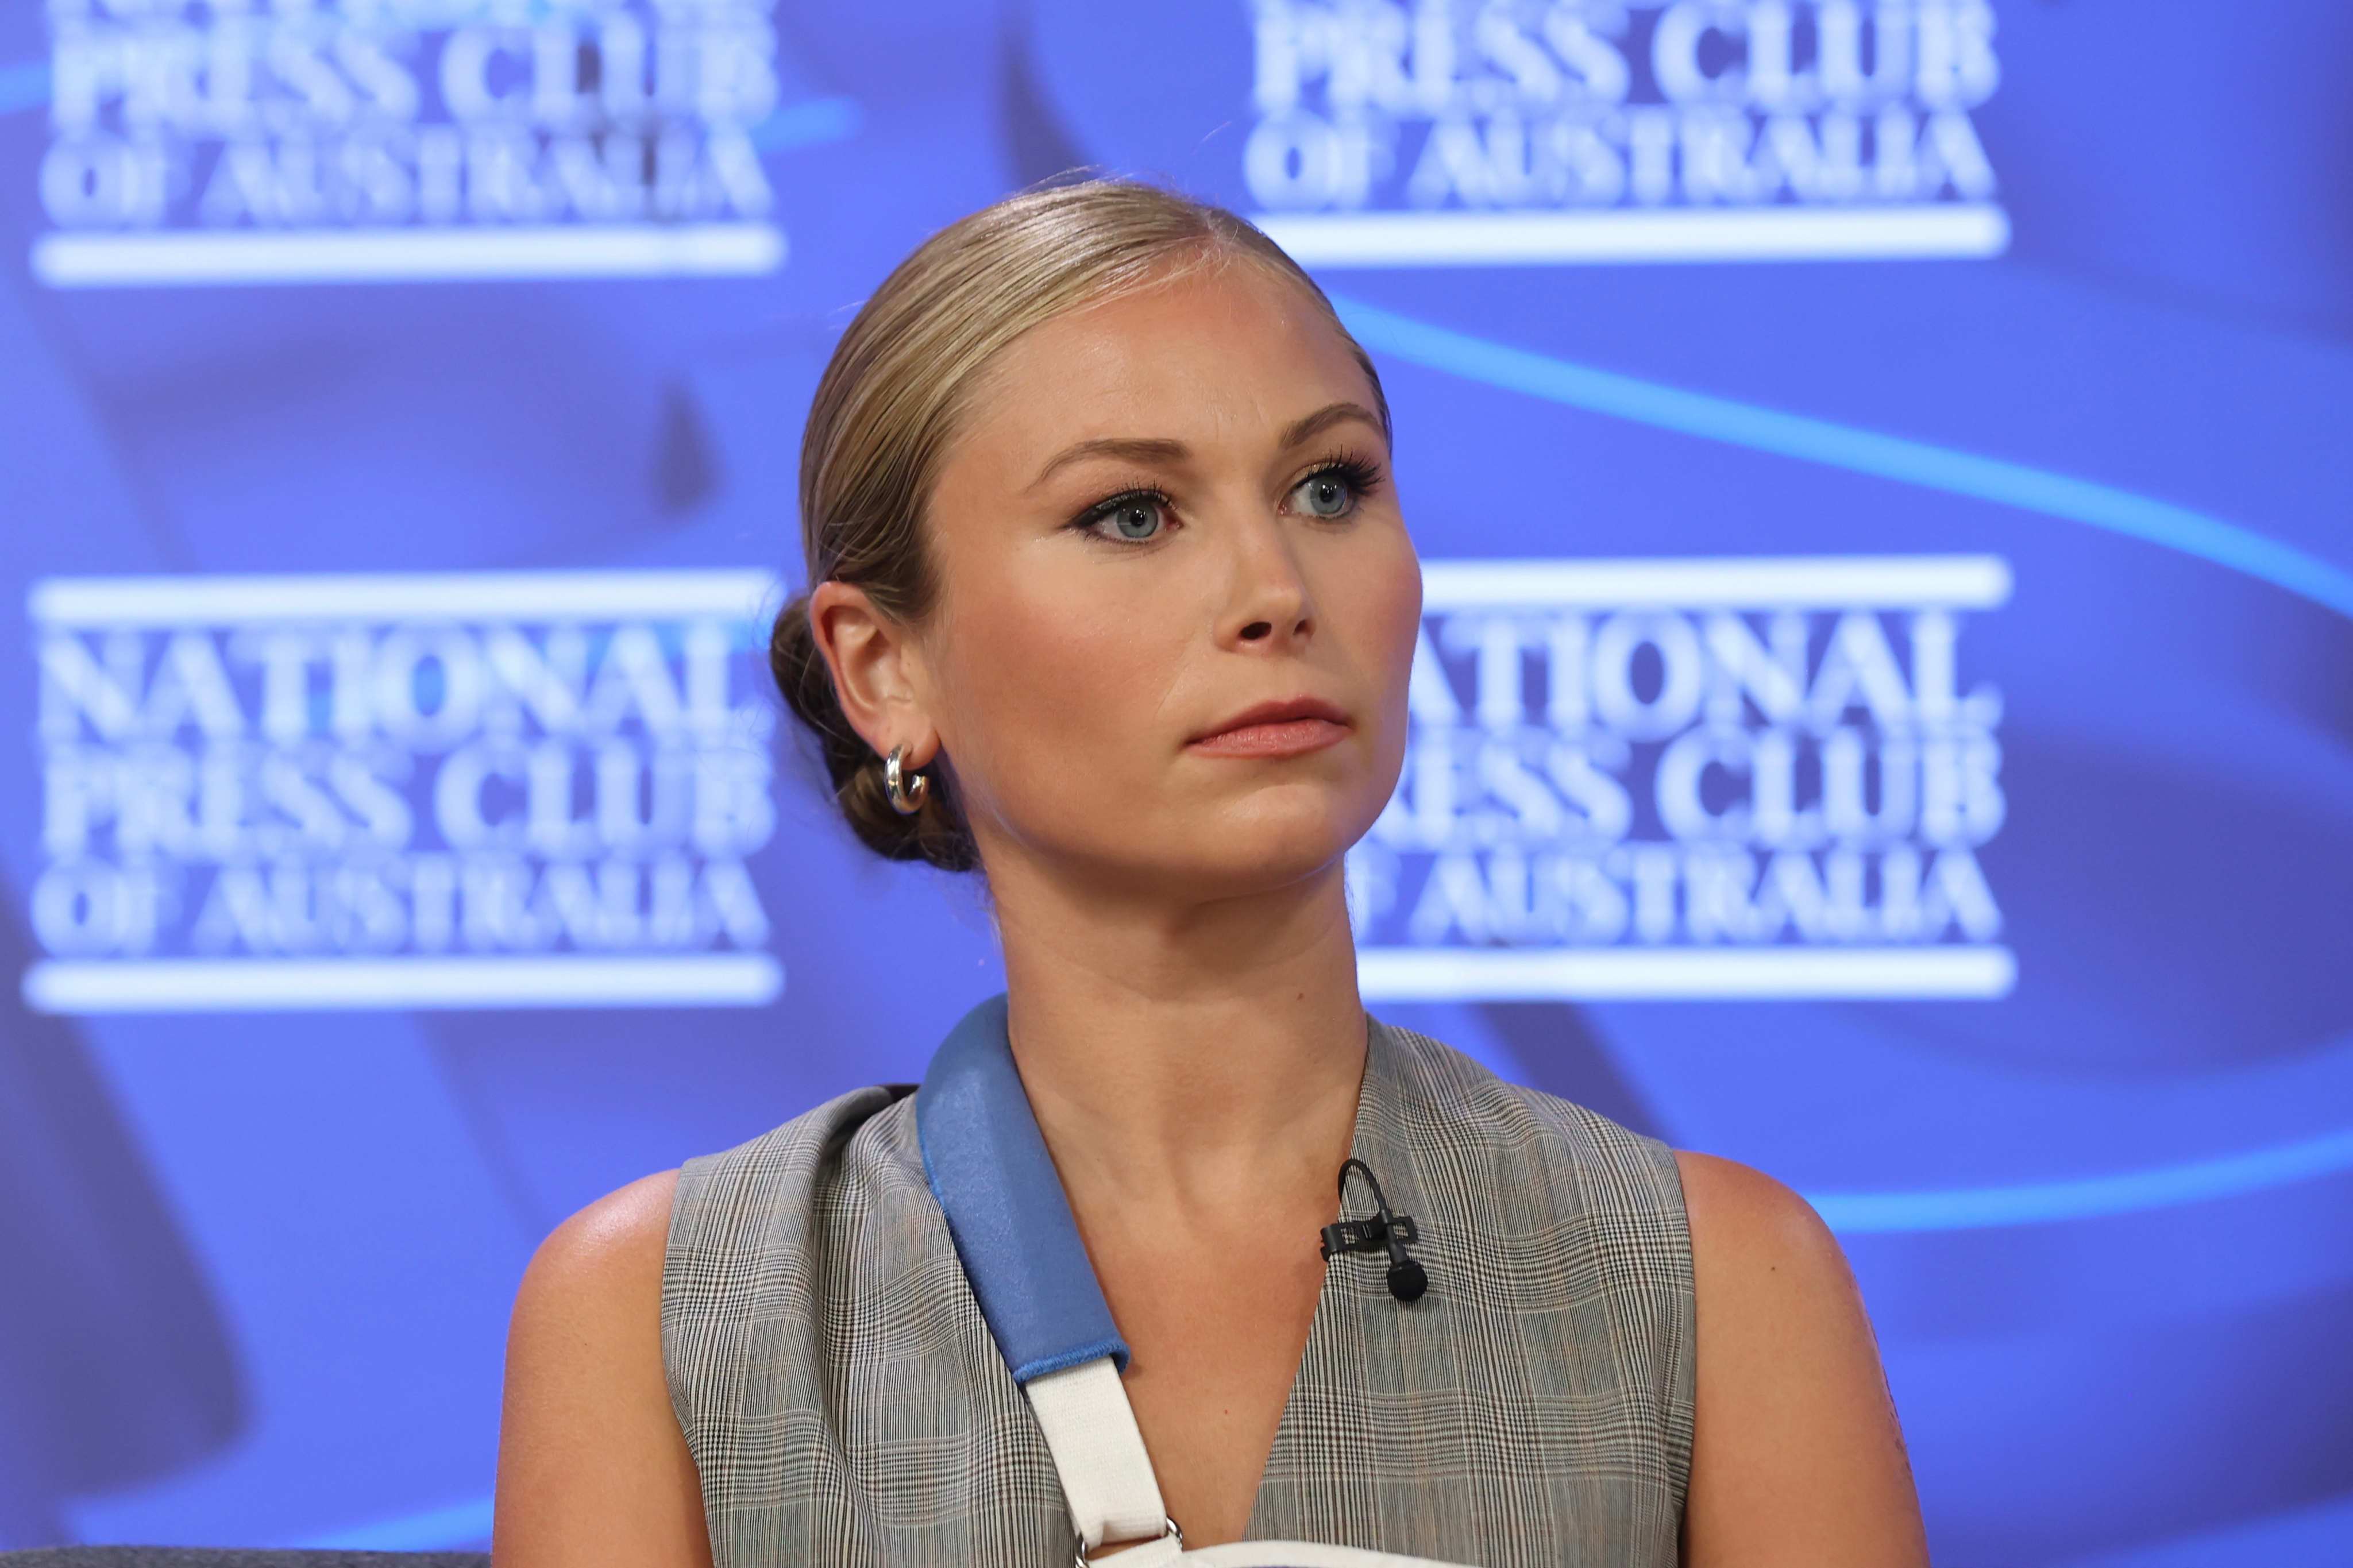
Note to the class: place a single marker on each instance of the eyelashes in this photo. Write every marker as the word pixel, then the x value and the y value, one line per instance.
pixel 1143 513
pixel 1362 476
pixel 1131 517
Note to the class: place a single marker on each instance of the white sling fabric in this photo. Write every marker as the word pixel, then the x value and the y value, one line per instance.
pixel 1107 1476
pixel 1299 1554
pixel 1099 1452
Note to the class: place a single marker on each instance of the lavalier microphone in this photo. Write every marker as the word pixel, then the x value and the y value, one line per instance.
pixel 1388 1231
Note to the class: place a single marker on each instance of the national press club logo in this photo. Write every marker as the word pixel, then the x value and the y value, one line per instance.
pixel 343 141
pixel 1435 132
pixel 456 789
pixel 1692 778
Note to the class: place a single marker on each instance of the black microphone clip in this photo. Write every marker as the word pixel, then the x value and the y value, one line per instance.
pixel 1387 1231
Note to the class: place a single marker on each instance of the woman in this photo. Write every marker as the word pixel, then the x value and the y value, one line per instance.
pixel 1112 600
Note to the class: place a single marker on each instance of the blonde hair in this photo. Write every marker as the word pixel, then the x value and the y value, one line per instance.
pixel 894 396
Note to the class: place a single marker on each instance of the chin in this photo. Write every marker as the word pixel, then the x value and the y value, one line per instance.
pixel 1191 849
pixel 1276 843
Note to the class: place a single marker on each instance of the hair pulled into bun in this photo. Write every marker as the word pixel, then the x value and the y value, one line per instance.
pixel 897 388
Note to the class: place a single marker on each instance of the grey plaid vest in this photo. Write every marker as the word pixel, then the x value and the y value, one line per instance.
pixel 845 1404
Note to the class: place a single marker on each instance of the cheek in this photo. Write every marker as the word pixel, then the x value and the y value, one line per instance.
pixel 1389 619
pixel 1052 687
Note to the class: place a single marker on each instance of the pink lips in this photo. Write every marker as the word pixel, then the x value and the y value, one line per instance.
pixel 1287 729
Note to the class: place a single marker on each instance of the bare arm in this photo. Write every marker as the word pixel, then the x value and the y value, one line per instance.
pixel 1797 1459
pixel 593 1470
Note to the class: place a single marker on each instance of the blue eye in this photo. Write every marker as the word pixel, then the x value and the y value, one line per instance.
pixel 1327 494
pixel 1132 518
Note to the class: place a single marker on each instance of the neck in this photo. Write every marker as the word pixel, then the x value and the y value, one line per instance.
pixel 1183 1052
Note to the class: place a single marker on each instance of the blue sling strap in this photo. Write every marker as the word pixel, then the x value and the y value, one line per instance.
pixel 987 1165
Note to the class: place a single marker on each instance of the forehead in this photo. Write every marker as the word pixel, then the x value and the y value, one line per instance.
pixel 1211 349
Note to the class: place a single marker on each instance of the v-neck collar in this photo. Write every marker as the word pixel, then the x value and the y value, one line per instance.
pixel 1379 1141
pixel 988 1167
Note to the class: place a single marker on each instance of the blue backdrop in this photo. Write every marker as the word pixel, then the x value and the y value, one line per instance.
pixel 1887 713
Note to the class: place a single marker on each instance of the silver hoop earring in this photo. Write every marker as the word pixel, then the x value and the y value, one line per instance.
pixel 905 787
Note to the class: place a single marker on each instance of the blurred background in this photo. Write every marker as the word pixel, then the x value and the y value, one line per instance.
pixel 1887 713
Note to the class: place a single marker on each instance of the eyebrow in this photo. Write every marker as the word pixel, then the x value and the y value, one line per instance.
pixel 1134 449
pixel 1300 431
pixel 1141 449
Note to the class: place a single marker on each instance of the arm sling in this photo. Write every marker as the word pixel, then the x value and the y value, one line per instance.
pixel 988 1166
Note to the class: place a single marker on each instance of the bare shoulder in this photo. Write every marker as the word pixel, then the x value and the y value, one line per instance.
pixel 593 1469
pixel 613 1248
pixel 1797 1455
pixel 1748 1224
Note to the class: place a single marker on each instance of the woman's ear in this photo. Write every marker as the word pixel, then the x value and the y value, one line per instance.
pixel 879 673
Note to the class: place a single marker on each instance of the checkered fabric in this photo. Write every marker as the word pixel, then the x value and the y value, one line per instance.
pixel 845 1407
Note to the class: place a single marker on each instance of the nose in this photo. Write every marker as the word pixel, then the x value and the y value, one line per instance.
pixel 1269 600
pixel 1268 606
